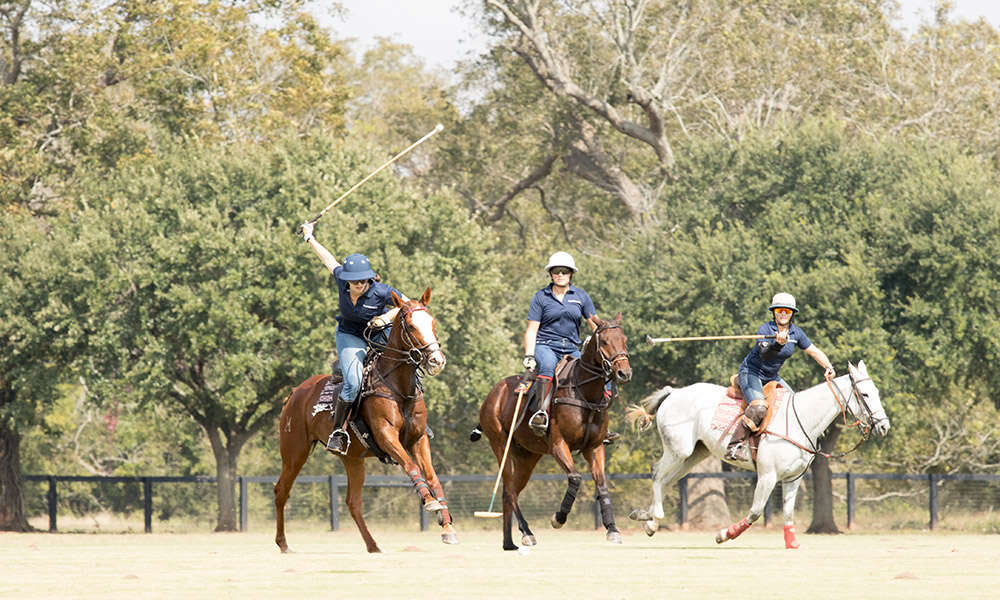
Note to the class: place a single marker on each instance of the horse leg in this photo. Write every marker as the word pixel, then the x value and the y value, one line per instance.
pixel 788 491
pixel 563 456
pixel 524 464
pixel 595 456
pixel 761 494
pixel 355 468
pixel 387 438
pixel 422 454
pixel 294 453
pixel 667 471
pixel 516 473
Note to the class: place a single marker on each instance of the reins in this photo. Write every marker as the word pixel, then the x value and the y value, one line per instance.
pixel 413 354
pixel 844 404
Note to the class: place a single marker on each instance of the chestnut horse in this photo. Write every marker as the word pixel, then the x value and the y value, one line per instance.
pixel 578 422
pixel 392 406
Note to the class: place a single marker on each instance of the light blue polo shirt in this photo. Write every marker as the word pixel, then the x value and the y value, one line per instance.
pixel 767 370
pixel 557 320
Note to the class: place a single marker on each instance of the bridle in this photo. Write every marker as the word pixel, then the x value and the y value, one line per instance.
pixel 414 354
pixel 607 363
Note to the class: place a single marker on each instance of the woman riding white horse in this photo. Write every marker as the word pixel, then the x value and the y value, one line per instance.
pixel 761 365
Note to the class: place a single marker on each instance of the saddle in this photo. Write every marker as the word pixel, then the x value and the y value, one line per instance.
pixel 770 391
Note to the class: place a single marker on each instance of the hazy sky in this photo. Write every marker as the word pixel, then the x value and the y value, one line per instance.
pixel 440 36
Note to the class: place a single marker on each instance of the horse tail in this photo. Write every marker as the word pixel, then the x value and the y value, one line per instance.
pixel 641 415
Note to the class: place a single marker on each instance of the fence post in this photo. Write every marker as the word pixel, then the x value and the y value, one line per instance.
pixel 423 514
pixel 850 499
pixel 244 502
pixel 932 482
pixel 147 503
pixel 682 502
pixel 334 504
pixel 52 498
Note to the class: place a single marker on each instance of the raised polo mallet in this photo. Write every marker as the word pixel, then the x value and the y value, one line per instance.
pixel 402 153
pixel 489 514
pixel 707 338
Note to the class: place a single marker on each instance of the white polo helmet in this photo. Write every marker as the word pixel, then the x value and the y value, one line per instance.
pixel 561 259
pixel 783 300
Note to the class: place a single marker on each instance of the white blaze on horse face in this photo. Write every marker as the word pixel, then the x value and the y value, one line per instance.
pixel 423 322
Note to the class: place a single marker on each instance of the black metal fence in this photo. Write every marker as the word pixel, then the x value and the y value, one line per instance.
pixel 884 493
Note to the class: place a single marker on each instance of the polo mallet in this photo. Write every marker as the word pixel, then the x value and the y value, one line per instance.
pixel 706 338
pixel 489 514
pixel 436 129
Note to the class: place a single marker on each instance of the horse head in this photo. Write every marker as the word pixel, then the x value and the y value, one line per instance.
pixel 864 401
pixel 418 331
pixel 609 341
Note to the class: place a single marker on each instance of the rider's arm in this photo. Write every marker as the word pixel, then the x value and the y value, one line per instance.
pixel 324 255
pixel 530 335
pixel 594 321
pixel 821 358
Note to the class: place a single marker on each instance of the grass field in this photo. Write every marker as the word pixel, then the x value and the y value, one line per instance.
pixel 565 565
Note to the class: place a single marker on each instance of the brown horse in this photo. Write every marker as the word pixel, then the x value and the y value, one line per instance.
pixel 392 406
pixel 579 422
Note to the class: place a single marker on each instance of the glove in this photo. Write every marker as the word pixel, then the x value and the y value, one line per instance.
pixel 529 362
pixel 306 230
pixel 383 320
pixel 829 373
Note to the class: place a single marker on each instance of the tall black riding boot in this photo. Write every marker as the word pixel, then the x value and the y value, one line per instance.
pixel 339 440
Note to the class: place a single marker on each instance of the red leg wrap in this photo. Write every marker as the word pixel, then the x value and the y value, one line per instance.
pixel 790 541
pixel 737 528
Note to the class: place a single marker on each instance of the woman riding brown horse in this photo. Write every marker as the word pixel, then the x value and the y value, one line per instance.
pixel 393 408
pixel 578 422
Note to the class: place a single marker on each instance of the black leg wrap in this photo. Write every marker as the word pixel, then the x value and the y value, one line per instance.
pixel 607 514
pixel 569 498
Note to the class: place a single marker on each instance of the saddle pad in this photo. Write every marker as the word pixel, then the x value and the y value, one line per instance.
pixel 730 408
pixel 328 396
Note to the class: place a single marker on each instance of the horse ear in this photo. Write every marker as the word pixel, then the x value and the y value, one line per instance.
pixel 852 370
pixel 426 297
pixel 863 368
pixel 396 299
pixel 618 318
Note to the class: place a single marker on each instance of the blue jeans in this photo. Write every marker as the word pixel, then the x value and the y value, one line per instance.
pixel 752 386
pixel 351 351
pixel 548 357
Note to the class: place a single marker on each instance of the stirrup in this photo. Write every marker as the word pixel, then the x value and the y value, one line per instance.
pixel 739 452
pixel 539 423
pixel 339 442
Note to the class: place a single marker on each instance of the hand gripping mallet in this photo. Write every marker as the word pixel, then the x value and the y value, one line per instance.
pixel 436 129
pixel 489 514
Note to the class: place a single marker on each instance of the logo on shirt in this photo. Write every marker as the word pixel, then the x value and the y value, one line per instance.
pixel 371 307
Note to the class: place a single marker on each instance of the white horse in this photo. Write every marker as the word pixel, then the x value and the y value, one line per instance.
pixel 689 425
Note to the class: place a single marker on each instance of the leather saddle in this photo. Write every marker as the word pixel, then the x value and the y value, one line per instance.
pixel 771 390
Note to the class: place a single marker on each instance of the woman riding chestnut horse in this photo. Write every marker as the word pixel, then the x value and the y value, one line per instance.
pixel 391 402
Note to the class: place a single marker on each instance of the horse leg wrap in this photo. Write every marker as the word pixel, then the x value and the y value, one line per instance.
pixel 790 541
pixel 570 497
pixel 420 484
pixel 737 528
pixel 607 515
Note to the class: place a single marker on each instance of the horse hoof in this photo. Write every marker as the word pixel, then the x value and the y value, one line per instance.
pixel 374 550
pixel 286 551
pixel 449 538
pixel 650 527
pixel 721 536
pixel 528 540
pixel 640 515
pixel 511 547
pixel 555 523
pixel 433 506
pixel 614 537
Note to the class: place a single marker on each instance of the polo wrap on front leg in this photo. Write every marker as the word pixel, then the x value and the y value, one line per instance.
pixel 570 497
pixel 607 514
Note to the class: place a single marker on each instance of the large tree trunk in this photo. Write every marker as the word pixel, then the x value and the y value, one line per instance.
pixel 11 492
pixel 226 460
pixel 707 508
pixel 822 478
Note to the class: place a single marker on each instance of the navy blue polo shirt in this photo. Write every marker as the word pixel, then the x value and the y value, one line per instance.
pixel 375 301
pixel 560 320
pixel 767 370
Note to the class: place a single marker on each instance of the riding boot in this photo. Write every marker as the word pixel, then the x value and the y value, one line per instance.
pixel 612 436
pixel 539 422
pixel 739 449
pixel 339 440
